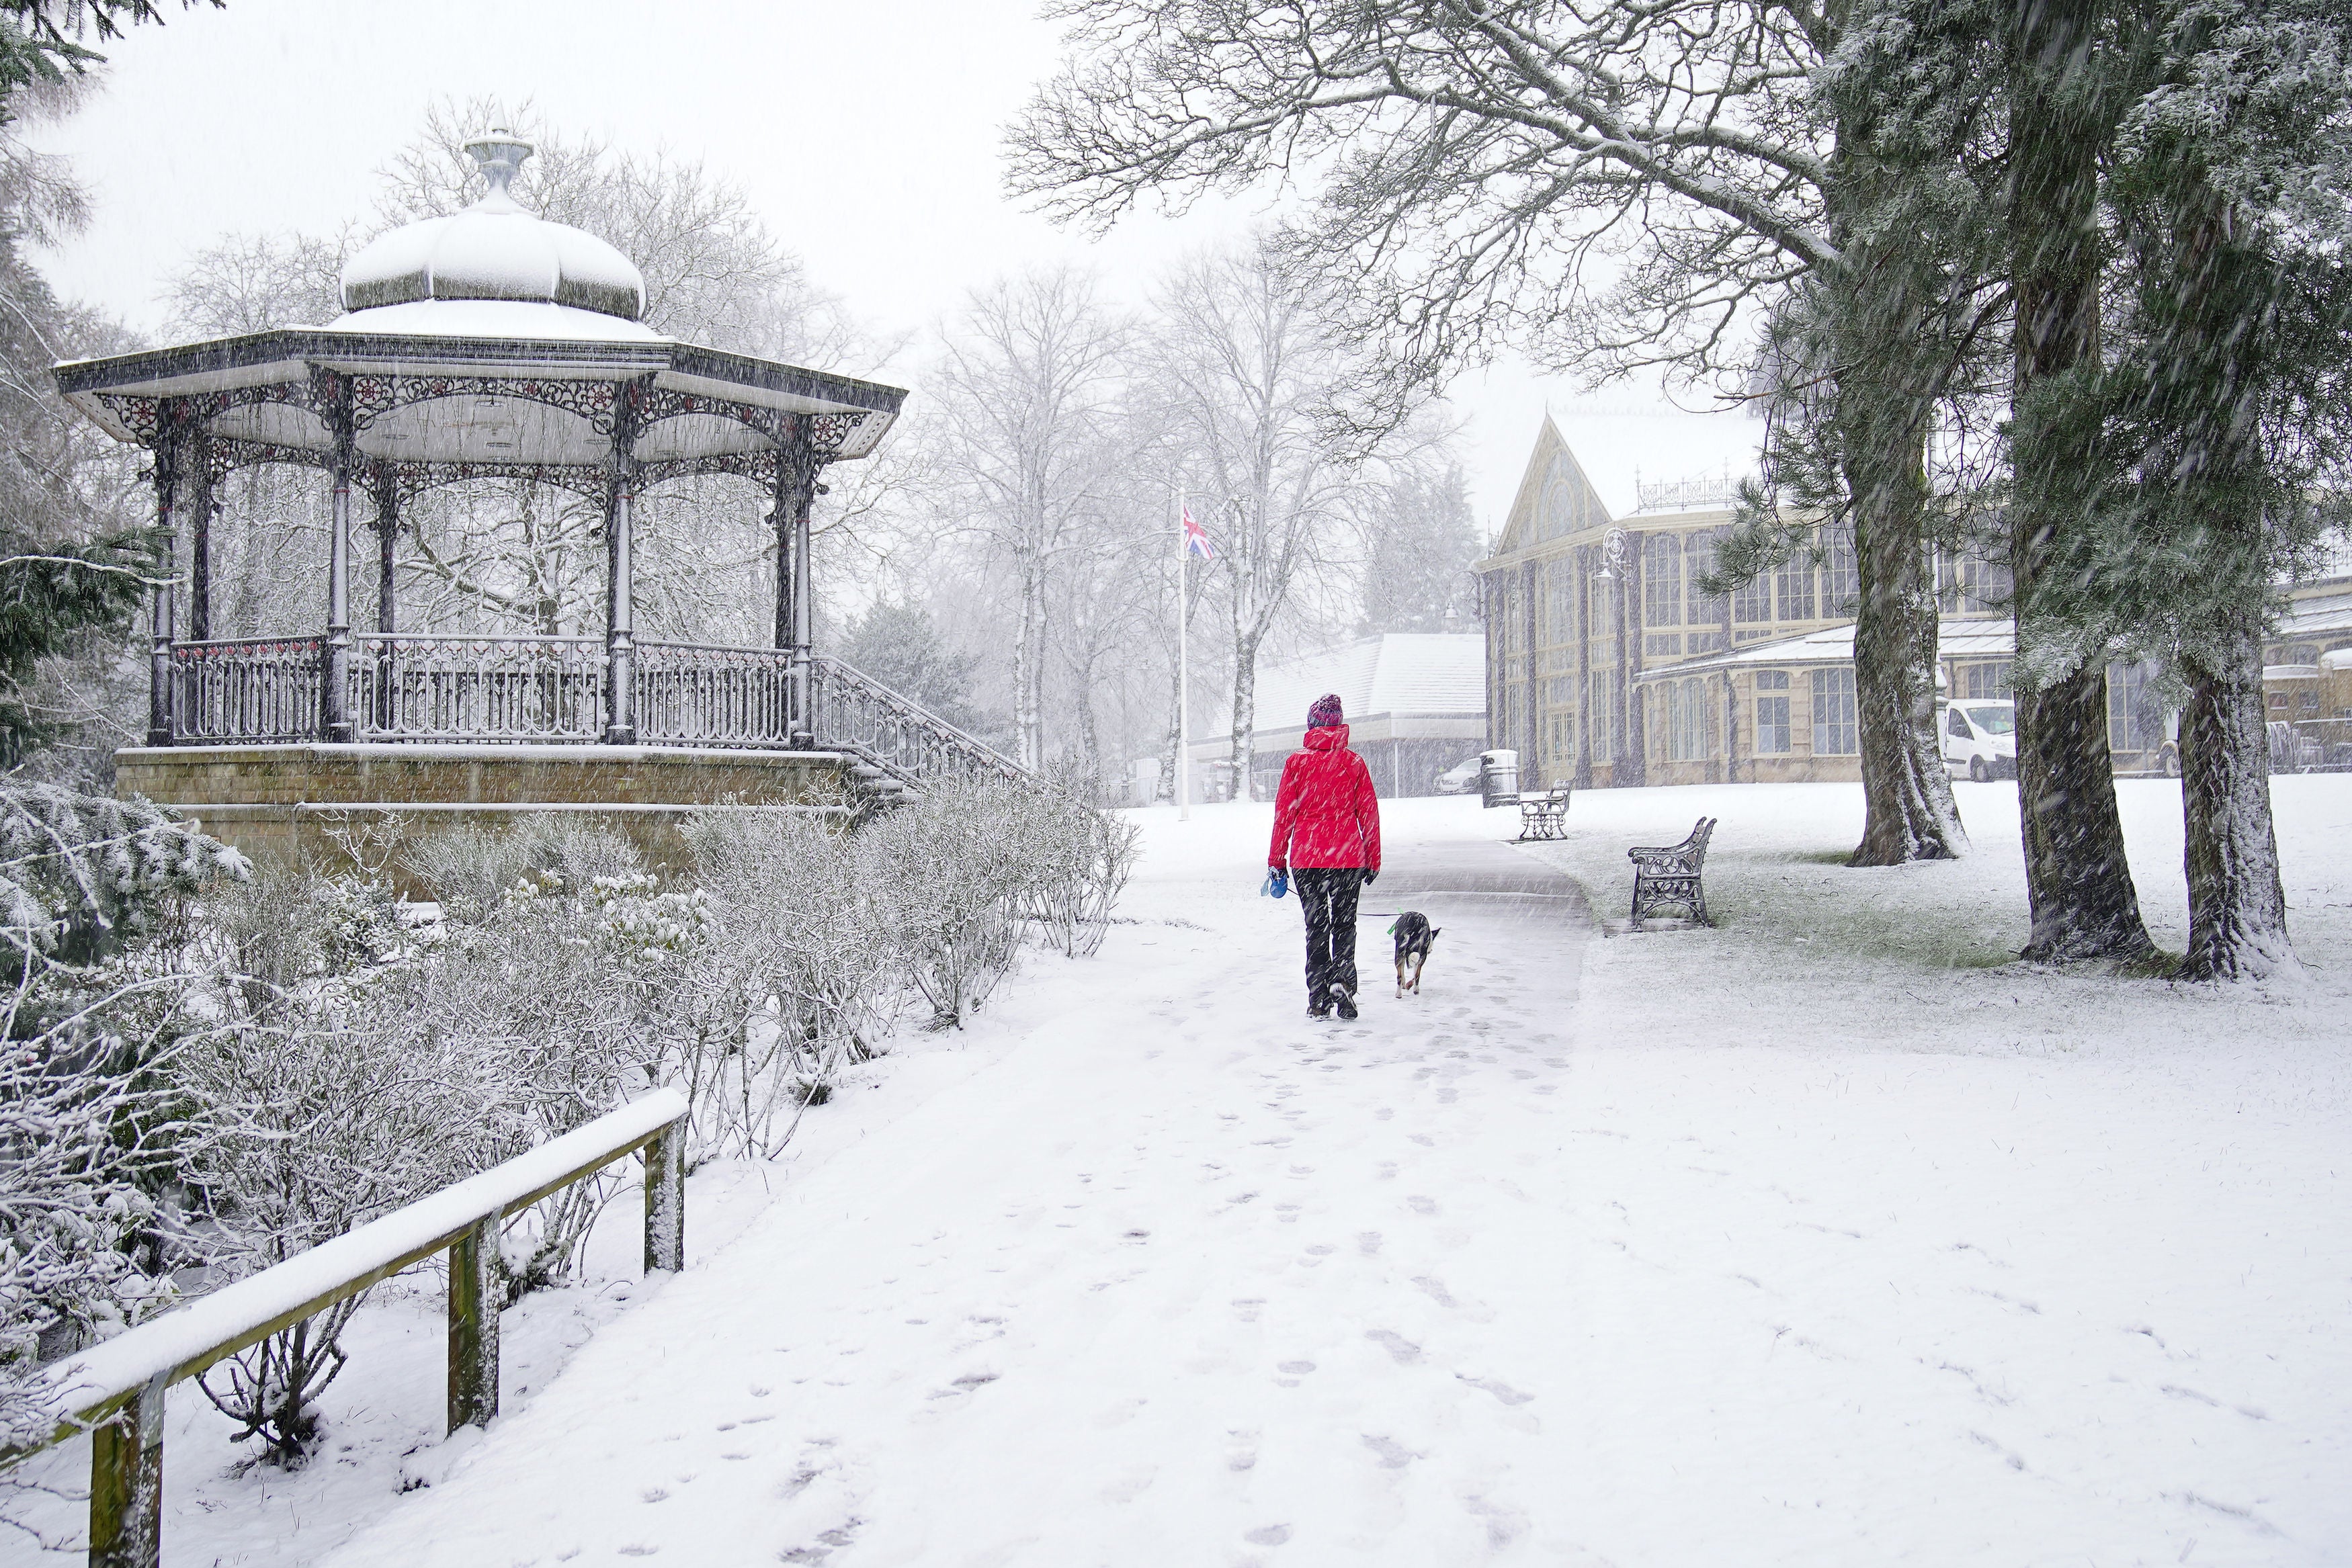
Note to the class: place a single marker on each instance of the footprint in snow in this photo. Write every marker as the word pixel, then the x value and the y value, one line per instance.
pixel 1268 1535
pixel 1497 1387
pixel 1394 1456
pixel 1403 1351
pixel 1420 1205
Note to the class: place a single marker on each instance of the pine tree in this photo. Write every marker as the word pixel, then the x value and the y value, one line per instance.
pixel 896 642
pixel 70 565
pixel 1419 544
pixel 2224 405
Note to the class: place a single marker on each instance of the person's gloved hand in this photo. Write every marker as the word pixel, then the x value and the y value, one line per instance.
pixel 1372 876
pixel 1277 882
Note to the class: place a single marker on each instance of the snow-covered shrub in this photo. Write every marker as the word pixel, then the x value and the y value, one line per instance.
pixel 801 966
pixel 469 868
pixel 286 931
pixel 563 991
pixel 328 1113
pixel 952 873
pixel 77 1180
pixel 1079 860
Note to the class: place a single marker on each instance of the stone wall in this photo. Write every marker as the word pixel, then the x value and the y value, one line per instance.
pixel 285 802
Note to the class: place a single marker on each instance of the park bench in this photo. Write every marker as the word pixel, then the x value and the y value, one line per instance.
pixel 1668 876
pixel 1544 815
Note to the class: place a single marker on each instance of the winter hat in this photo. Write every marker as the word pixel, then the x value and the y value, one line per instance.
pixel 1326 712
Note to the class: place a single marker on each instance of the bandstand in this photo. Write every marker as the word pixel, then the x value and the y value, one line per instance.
pixel 493 344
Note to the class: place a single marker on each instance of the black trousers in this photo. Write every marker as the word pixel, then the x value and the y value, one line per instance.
pixel 1328 895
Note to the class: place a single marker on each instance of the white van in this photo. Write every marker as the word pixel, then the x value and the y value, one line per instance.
pixel 1980 737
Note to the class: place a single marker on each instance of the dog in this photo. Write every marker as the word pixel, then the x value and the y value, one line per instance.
pixel 1414 938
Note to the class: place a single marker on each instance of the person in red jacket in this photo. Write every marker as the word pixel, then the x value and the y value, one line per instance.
pixel 1327 838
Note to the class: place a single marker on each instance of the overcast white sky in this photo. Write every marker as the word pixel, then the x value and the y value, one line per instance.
pixel 866 133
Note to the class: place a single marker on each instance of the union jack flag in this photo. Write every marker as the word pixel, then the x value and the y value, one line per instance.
pixel 1196 538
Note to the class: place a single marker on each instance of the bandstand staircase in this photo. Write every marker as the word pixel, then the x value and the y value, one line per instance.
pixel 898 746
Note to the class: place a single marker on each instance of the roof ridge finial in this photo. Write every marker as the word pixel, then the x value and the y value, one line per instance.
pixel 500 154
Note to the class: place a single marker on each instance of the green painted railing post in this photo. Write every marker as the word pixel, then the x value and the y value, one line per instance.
pixel 665 1199
pixel 473 1326
pixel 126 1483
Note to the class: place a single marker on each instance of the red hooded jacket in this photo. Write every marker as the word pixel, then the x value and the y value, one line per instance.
pixel 1326 813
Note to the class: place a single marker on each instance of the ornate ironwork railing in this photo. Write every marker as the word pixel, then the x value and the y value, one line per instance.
pixel 695 693
pixel 425 687
pixel 852 712
pixel 415 686
pixel 246 688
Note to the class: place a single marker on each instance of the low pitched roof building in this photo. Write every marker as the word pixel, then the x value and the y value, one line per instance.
pixel 1415 703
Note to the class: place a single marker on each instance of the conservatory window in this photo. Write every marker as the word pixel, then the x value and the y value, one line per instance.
pixel 1833 716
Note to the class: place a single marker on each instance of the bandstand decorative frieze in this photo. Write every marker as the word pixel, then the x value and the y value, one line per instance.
pixel 411 478
pixel 664 402
pixel 374 397
pixel 225 454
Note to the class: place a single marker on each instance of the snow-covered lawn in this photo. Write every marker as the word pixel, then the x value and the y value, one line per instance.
pixel 1826 1236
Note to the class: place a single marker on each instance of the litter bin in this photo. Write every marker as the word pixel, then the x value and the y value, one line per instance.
pixel 1498 778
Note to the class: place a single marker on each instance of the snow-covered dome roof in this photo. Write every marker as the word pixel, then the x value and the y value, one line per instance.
pixel 494 250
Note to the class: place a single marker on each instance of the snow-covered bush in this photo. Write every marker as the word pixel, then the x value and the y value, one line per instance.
pixel 565 992
pixel 82 873
pixel 469 868
pixel 328 1113
pixel 801 966
pixel 951 872
pixel 77 1179
pixel 1080 859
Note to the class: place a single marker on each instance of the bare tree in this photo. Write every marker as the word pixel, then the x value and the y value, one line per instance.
pixel 714 272
pixel 251 282
pixel 1028 380
pixel 1245 364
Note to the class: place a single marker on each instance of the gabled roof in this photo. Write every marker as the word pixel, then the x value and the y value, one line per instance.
pixel 1555 497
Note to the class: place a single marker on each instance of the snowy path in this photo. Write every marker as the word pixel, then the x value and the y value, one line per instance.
pixel 1182 1278
pixel 1174 1271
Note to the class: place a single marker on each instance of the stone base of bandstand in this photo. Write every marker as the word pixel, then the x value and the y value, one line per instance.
pixel 287 803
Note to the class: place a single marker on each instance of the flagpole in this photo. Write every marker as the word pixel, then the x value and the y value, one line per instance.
pixel 1183 671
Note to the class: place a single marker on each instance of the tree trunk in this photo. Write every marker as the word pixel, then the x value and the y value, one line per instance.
pixel 1244 738
pixel 1168 753
pixel 1028 666
pixel 2078 884
pixel 1909 813
pixel 1892 356
pixel 1089 737
pixel 2237 905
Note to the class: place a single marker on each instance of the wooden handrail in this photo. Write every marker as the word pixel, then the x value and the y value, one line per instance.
pixel 115 1390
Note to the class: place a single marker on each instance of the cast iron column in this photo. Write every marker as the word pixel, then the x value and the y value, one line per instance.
pixel 620 573
pixel 334 673
pixel 159 669
pixel 200 552
pixel 386 491
pixel 796 470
